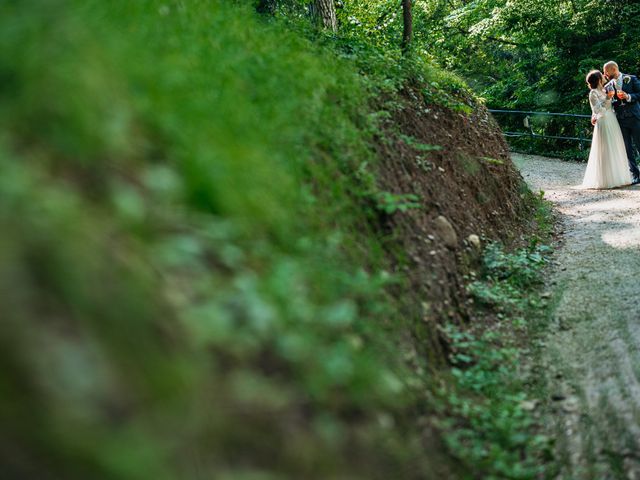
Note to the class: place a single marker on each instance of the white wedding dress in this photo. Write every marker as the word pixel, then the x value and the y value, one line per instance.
pixel 608 166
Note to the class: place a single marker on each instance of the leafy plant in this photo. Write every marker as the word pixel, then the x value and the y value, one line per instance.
pixel 390 203
pixel 493 161
pixel 507 277
pixel 492 427
pixel 416 145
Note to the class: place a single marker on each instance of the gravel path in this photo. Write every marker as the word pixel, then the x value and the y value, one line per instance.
pixel 591 353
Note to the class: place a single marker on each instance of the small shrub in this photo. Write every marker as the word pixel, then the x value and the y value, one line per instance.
pixel 390 203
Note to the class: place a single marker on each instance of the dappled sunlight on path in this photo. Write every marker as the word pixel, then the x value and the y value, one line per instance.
pixel 591 354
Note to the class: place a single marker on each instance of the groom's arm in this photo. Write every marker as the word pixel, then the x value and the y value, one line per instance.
pixel 634 95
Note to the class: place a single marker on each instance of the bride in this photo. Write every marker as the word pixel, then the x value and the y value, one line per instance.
pixel 607 166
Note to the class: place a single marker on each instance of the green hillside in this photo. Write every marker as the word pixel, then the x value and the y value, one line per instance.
pixel 195 277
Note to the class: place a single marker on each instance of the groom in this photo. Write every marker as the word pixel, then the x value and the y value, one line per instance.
pixel 626 103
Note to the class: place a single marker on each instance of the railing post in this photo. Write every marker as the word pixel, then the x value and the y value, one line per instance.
pixel 581 147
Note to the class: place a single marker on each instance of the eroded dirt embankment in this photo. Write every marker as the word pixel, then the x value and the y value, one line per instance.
pixel 591 353
pixel 468 186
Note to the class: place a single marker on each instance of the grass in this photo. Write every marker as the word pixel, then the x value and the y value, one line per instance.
pixel 489 422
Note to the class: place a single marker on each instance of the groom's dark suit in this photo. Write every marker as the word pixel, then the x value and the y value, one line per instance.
pixel 628 114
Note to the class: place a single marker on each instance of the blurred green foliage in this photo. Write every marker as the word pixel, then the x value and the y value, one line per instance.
pixel 188 281
pixel 190 277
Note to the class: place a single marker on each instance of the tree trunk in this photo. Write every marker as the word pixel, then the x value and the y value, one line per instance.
pixel 407 17
pixel 325 11
pixel 266 7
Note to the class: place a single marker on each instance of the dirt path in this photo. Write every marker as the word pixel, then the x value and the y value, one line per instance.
pixel 591 353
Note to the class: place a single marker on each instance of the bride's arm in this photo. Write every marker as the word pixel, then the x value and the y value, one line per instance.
pixel 597 104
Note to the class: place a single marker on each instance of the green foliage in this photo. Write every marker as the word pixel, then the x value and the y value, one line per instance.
pixel 516 54
pixel 421 147
pixel 189 284
pixel 493 161
pixel 189 281
pixel 390 203
pixel 520 268
pixel 491 428
pixel 544 217
pixel 508 277
pixel 527 55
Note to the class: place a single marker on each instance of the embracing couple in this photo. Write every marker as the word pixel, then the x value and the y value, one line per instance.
pixel 615 106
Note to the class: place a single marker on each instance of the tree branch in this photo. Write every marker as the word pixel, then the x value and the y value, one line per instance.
pixel 407 32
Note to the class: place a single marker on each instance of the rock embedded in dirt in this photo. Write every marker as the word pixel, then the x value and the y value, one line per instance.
pixel 529 405
pixel 474 241
pixel 446 232
pixel 571 405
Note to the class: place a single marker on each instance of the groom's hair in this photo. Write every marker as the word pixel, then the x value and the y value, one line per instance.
pixel 610 64
pixel 593 78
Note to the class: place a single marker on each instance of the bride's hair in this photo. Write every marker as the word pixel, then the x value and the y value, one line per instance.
pixel 593 79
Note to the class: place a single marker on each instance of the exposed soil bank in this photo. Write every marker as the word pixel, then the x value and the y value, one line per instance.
pixel 467 182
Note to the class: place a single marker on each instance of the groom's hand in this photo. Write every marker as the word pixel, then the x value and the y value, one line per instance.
pixel 594 120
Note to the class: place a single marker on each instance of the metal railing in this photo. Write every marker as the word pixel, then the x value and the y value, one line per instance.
pixel 530 133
